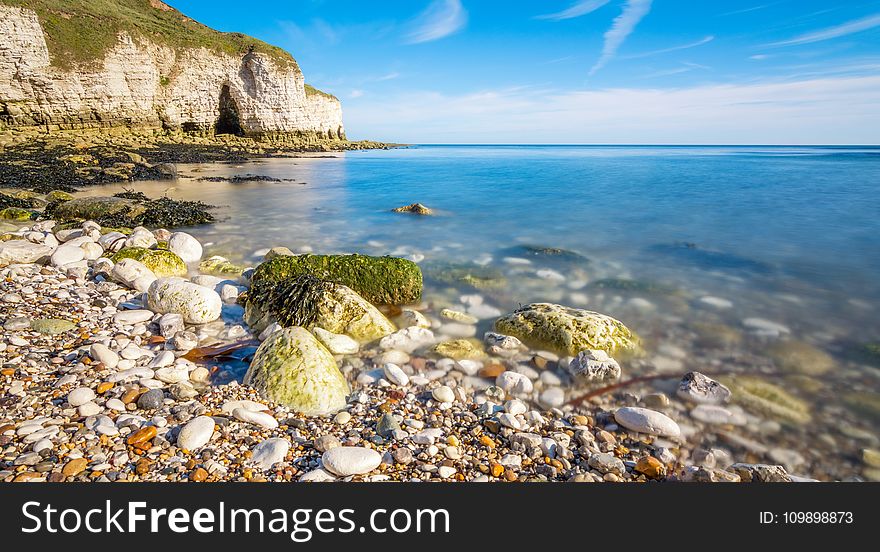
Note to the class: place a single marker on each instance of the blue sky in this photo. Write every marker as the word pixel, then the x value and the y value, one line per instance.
pixel 582 71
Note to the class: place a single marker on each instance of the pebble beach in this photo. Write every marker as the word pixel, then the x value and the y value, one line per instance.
pixel 106 378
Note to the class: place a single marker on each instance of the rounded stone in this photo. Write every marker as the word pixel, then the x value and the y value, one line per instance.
pixel 80 396
pixel 346 461
pixel 443 394
pixel 151 400
pixel 643 420
pixel 196 433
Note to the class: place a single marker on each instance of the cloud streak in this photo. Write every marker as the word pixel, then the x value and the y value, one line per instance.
pixel 704 40
pixel 441 19
pixel 623 25
pixel 818 110
pixel 848 28
pixel 576 10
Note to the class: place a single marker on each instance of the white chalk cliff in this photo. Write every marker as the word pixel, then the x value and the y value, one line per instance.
pixel 143 83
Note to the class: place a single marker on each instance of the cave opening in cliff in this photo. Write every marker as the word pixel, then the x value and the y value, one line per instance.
pixel 228 122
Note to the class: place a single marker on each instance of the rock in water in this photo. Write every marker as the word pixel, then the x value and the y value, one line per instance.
pixel 23 252
pixel 220 266
pixel 568 331
pixel 309 302
pixel 702 389
pixel 798 357
pixel 755 394
pixel 647 421
pixel 379 280
pixel 594 365
pixel 292 368
pixel 414 209
pixel 197 304
pixel 160 262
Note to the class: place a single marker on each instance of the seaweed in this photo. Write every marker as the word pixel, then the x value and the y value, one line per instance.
pixel 10 201
pixel 293 301
pixel 379 280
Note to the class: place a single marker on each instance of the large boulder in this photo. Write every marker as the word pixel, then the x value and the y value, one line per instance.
pixel 292 368
pixel 23 252
pixel 161 262
pixel 94 208
pixel 311 302
pixel 379 280
pixel 197 304
pixel 568 331
pixel 185 246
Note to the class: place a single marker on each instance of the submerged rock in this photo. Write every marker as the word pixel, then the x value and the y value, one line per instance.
pixel 197 304
pixel 459 349
pixel 220 266
pixel 292 368
pixel 379 280
pixel 633 286
pixel 161 262
pixel 702 389
pixel 480 277
pixel 567 330
pixel 309 302
pixel 414 209
pixel 754 393
pixel 548 254
pixel 800 358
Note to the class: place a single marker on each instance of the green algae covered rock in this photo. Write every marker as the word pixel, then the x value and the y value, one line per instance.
pixel 459 349
pixel 754 393
pixel 51 326
pixel 865 404
pixel 96 208
pixel 308 301
pixel 797 357
pixel 567 330
pixel 292 368
pixel 161 262
pixel 220 266
pixel 470 274
pixel 379 280
pixel 59 195
pixel 15 213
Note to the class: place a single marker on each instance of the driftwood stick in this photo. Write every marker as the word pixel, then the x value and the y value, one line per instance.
pixel 615 386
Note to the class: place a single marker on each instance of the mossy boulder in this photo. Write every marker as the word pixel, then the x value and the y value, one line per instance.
pixel 567 330
pixel 51 326
pixel 59 195
pixel 308 302
pixel 220 266
pixel 754 393
pixel 294 369
pixel 414 209
pixel 797 357
pixel 96 208
pixel 161 262
pixel 379 280
pixel 16 214
pixel 459 349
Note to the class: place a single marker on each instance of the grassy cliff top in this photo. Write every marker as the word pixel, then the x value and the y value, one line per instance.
pixel 312 91
pixel 81 31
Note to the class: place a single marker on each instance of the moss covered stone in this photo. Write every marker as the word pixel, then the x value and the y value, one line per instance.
pixel 797 357
pixel 294 369
pixel 51 326
pixel 567 330
pixel 379 280
pixel 865 404
pixel 476 276
pixel 309 302
pixel 459 349
pixel 59 195
pixel 220 266
pixel 15 213
pixel 160 261
pixel 95 208
pixel 756 394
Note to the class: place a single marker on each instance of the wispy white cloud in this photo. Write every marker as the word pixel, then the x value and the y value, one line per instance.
pixel 848 28
pixel 583 7
pixel 830 110
pixel 623 25
pixel 441 19
pixel 356 94
pixel 759 57
pixel 704 40
pixel 387 77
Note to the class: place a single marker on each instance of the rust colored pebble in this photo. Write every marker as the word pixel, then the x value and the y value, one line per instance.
pixel 143 466
pixel 8 371
pixel 142 436
pixel 24 477
pixel 104 387
pixel 74 467
pixel 130 396
pixel 509 475
pixel 198 475
pixel 496 469
pixel 651 467
pixel 491 370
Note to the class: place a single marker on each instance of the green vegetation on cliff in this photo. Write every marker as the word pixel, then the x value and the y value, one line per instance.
pixel 81 31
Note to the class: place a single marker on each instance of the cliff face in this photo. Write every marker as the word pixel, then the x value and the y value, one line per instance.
pixel 143 83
